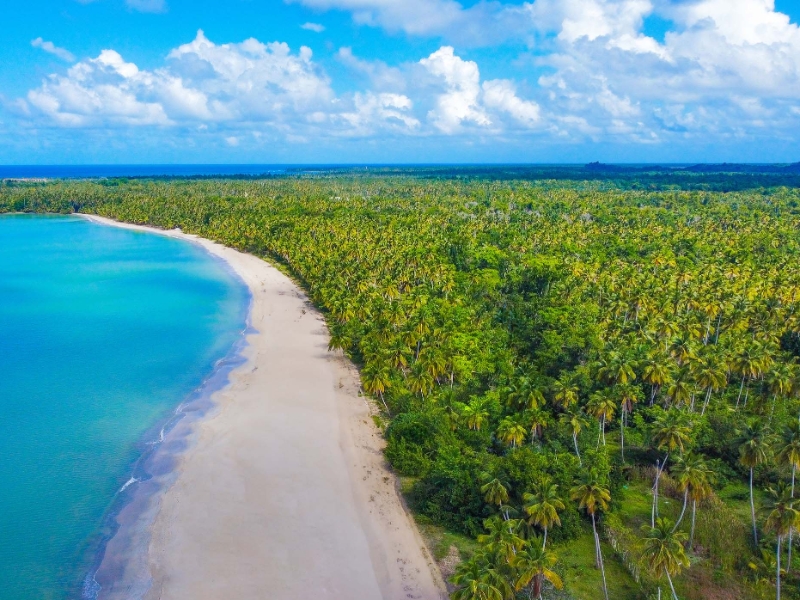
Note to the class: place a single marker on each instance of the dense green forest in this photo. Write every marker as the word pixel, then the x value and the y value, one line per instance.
pixel 590 386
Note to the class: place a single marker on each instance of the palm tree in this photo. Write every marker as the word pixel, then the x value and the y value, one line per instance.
pixel 479 579
pixel 375 380
pixel 789 455
pixel 542 506
pixel 476 414
pixel 565 393
pixel 781 380
pixel 754 449
pixel 627 395
pixel 663 552
pixel 534 564
pixel 511 433
pixel 494 492
pixel 593 496
pixel 502 538
pixel 694 480
pixel 656 373
pixel 602 407
pixel 576 422
pixel 782 520
pixel 617 368
pixel 536 420
pixel 670 433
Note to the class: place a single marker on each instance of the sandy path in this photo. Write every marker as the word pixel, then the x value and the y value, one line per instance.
pixel 285 494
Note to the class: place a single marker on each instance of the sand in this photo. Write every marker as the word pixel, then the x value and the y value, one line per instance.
pixel 284 493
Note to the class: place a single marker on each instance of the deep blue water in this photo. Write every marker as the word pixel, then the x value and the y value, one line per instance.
pixel 88 171
pixel 103 332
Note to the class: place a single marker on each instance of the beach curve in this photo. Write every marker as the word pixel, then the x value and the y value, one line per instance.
pixel 285 493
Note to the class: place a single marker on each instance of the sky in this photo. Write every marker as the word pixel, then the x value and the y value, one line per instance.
pixel 399 81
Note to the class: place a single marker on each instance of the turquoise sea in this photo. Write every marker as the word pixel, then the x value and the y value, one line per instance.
pixel 103 333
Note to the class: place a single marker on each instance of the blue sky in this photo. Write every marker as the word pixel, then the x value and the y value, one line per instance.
pixel 365 81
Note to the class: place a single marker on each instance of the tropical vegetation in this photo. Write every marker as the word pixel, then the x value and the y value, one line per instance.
pixel 556 359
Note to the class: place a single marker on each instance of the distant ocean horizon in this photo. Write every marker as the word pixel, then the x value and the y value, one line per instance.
pixel 254 170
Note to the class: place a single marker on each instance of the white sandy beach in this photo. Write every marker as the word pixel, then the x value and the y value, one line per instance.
pixel 285 494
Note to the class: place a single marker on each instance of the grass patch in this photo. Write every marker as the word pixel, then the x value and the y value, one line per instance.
pixel 583 581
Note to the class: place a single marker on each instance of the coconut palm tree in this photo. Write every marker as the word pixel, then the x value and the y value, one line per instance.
pixel 663 552
pixel 694 480
pixel 670 433
pixel 593 496
pixel 577 422
pixel 476 414
pixel 565 393
pixel 602 407
pixel 627 395
pixel 789 455
pixel 656 373
pixel 511 432
pixel 782 519
pixel 494 492
pixel 542 506
pixel 479 579
pixel 534 565
pixel 502 538
pixel 754 449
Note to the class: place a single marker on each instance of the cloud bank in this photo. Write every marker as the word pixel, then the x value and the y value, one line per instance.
pixel 587 71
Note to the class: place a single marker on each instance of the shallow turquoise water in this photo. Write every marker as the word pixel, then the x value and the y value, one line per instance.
pixel 103 332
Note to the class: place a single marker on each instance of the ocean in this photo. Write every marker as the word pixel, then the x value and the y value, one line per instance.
pixel 104 332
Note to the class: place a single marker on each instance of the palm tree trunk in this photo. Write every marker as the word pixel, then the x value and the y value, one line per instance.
pixel 672 587
pixel 622 435
pixel 694 514
pixel 600 557
pixel 705 404
pixel 772 409
pixel 659 470
pixel 791 531
pixel 577 452
pixel 753 509
pixel 603 429
pixel 741 387
pixel 778 571
pixel 683 510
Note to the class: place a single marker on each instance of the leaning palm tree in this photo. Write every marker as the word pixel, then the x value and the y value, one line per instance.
pixel 663 552
pixel 754 449
pixel 782 519
pixel 593 496
pixel 534 565
pixel 542 506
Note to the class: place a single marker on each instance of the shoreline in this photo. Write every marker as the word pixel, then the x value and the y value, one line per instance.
pixel 283 491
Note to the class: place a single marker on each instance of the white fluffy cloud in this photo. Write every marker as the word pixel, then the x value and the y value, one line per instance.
pixel 51 48
pixel 586 70
pixel 459 102
pixel 230 86
pixel 315 27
